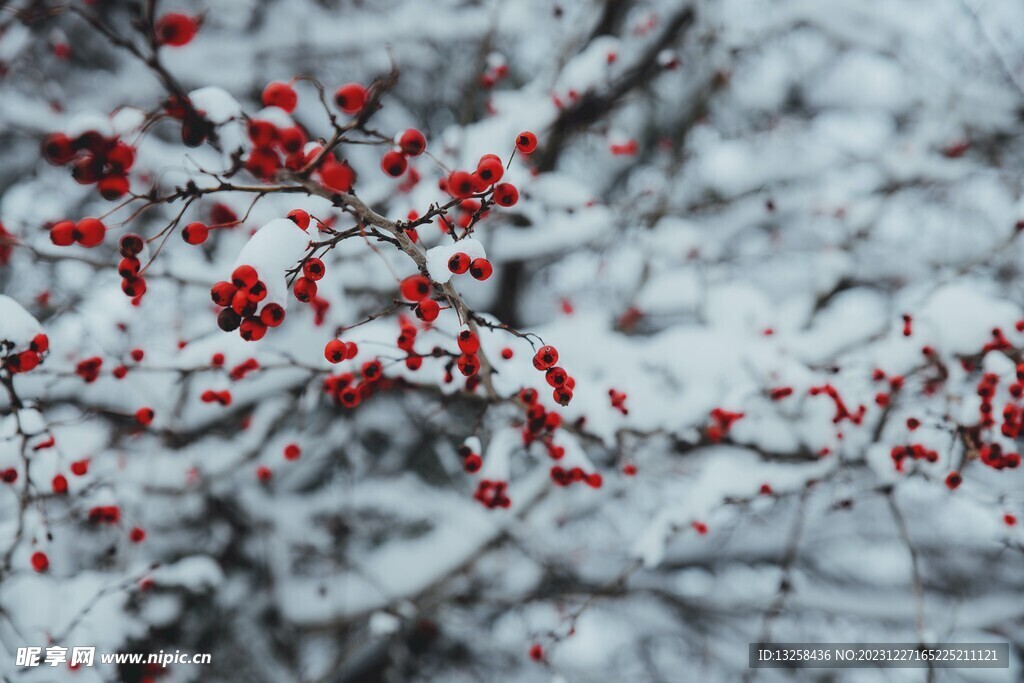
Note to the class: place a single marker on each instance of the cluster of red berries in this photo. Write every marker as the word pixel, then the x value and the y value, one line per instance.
pixel 842 412
pixel 276 147
pixel 618 400
pixel 244 368
pixel 562 384
pixel 721 422
pixel 409 143
pixel 407 333
pixel 492 494
pixel 211 396
pixel 349 390
pixel 337 350
pixel 88 232
pixel 105 514
pixel 130 267
pixel 565 477
pixel 491 77
pixel 471 461
pixel 416 289
pixel 914 451
pixel 29 359
pixel 489 170
pixel 480 268
pixel 240 298
pixel 94 159
pixel 541 424
pixel 468 361
pixel 89 369
pixel 992 454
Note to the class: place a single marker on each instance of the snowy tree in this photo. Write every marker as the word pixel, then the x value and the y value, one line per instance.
pixel 509 340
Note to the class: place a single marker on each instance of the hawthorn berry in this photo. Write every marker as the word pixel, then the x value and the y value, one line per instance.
pixel 506 353
pixel 59 484
pixel 468 342
pixel 490 169
pixel 176 29
pixel 131 245
pixel 350 98
pixel 481 269
pixel 113 187
pixel 299 217
pixel 251 329
pixel 412 142
pixel 80 468
pixel 545 358
pixel 62 233
pixel 129 267
pixel 393 163
pixel 121 157
pixel 292 452
pixel 459 262
pixel 244 277
pixel 263 473
pixel 556 376
pixel 195 233
pixel 428 310
pixel 953 480
pixel 58 149
pixel 335 351
pixel 506 194
pixel 89 232
pixel 222 293
pixel 313 269
pixel 526 142
pixel 272 315
pixel 40 343
pixel 468 364
pixel 228 320
pixel 461 184
pixel 40 562
pixel 536 652
pixel 281 95
pixel 137 534
pixel 133 287
pixel 9 475
pixel 144 416
pixel 415 288
pixel 337 176
pixel 472 463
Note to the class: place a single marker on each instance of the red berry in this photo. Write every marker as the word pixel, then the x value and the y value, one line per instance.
pixel 313 269
pixel 244 277
pixel 59 484
pixel 461 184
pixel 412 142
pixel 299 217
pixel 62 233
pixel 459 262
pixel 506 353
pixel 281 95
pixel 272 315
pixel 337 176
pixel 137 355
pixel 89 232
pixel 121 157
pixel 305 289
pixel 350 98
pixel 335 351
pixel 468 342
pixel 526 142
pixel 481 269
pixel 393 163
pixel 40 562
pixel 113 187
pixel 133 287
pixel 263 473
pixel 144 416
pixel 556 376
pixel 195 233
pixel 468 364
pixel 490 169
pixel 506 194
pixel 415 288
pixel 251 329
pixel 176 29
pixel 545 357
pixel 292 452
pixel 58 149
pixel 222 293
pixel 953 480
pixel 536 652
pixel 40 343
pixel 428 310
pixel 131 245
pixel 137 534
pixel 80 468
